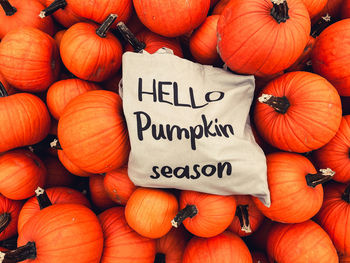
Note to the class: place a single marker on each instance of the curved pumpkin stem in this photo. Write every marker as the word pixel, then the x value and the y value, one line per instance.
pixel 279 104
pixel 321 177
pixel 55 5
pixel 346 195
pixel 3 91
pixel 22 253
pixel 160 258
pixel 106 25
pixel 42 198
pixel 8 8
pixel 137 45
pixel 5 220
pixel 321 25
pixel 279 10
pixel 189 211
pixel 243 216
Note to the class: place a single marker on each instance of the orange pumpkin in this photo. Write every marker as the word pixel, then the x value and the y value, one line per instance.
pixel 298 111
pixel 314 7
pixel 58 37
pixel 9 211
pixel 24 62
pixel 292 179
pixel 149 211
pixel 205 215
pixel 71 167
pixel 21 173
pixel 219 7
pixel 262 37
pixel 98 194
pixel 121 243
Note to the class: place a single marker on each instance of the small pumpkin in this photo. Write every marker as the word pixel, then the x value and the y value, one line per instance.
pixel 9 212
pixel 98 194
pixel 205 215
pixel 122 243
pixel 58 37
pixel 149 211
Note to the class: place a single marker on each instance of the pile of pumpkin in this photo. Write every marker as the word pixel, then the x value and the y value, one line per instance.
pixel 62 129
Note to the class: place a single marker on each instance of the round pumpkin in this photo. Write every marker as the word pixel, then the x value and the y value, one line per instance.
pixel 24 62
pixel 122 243
pixel 149 211
pixel 9 212
pixel 292 179
pixel 173 18
pixel 21 173
pixel 329 56
pixel 98 194
pixel 298 112
pixel 71 167
pixel 262 37
pixel 58 37
pixel 104 144
pixel 314 7
pixel 300 243
pixel 103 48
pixel 225 247
pixel 205 215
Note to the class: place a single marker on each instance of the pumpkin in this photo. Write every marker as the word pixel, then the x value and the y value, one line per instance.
pixel 24 62
pixel 63 91
pixel 71 167
pixel 118 185
pixel 9 211
pixel 332 8
pixel 17 127
pixel 224 248
pixel 170 248
pixel 203 41
pixel 18 13
pixel 58 37
pixel 59 233
pixel 104 144
pixel 104 49
pixel 334 216
pixel 292 179
pixel 21 173
pixel 98 194
pixel 149 211
pixel 56 195
pixel 219 7
pixel 335 154
pixel 248 217
pixel 328 56
pixel 299 243
pixel 57 175
pixel 171 19
pixel 262 37
pixel 205 215
pixel 314 7
pixel 298 112
pixel 121 243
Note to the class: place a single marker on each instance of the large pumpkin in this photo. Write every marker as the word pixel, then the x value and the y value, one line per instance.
pixel 122 243
pixel 92 132
pixel 29 59
pixel 298 112
pixel 329 56
pixel 292 179
pixel 171 18
pixel 262 37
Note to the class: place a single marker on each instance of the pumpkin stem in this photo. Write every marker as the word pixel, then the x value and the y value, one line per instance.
pixel 8 8
pixel 42 146
pixel 279 10
pixel 279 104
pixel 160 258
pixel 55 5
pixel 106 25
pixel 346 195
pixel 320 25
pixel 27 251
pixel 55 144
pixel 5 220
pixel 243 216
pixel 10 243
pixel 42 198
pixel 3 91
pixel 321 177
pixel 189 211
pixel 137 45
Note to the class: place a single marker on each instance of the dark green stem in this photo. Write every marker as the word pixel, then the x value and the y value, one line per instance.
pixel 346 195
pixel 42 198
pixel 160 258
pixel 324 175
pixel 5 220
pixel 137 45
pixel 279 104
pixel 320 25
pixel 243 216
pixel 8 8
pixel 106 25
pixel 3 91
pixel 22 253
pixel 188 212
pixel 55 5
pixel 279 11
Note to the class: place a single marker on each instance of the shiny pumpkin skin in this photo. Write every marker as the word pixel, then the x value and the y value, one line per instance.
pixel 122 243
pixel 24 62
pixel 250 41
